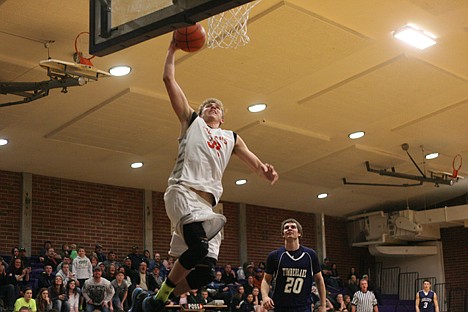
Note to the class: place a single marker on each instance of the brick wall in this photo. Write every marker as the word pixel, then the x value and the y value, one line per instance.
pixel 455 248
pixel 339 251
pixel 67 211
pixel 10 210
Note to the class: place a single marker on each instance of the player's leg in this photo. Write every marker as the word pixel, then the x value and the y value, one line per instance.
pixel 201 275
pixel 195 238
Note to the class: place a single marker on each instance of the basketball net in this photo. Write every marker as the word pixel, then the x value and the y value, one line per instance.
pixel 229 29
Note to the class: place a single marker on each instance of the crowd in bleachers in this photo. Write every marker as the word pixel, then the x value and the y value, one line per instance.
pixel 73 280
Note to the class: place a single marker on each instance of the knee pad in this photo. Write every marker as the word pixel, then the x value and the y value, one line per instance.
pixel 195 238
pixel 202 274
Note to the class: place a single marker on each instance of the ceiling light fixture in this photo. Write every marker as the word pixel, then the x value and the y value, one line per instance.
pixel 255 108
pixel 356 135
pixel 415 36
pixel 431 155
pixel 322 196
pixel 241 182
pixel 120 70
pixel 136 165
pixel 3 141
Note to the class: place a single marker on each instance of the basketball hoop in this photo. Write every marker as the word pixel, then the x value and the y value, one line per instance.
pixel 456 165
pixel 229 29
pixel 82 55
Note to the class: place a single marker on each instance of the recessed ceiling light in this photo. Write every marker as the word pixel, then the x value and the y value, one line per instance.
pixel 322 196
pixel 3 141
pixel 432 155
pixel 356 135
pixel 136 165
pixel 415 36
pixel 241 182
pixel 120 70
pixel 255 108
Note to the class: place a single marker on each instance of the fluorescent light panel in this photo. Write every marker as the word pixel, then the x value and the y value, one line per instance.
pixel 415 36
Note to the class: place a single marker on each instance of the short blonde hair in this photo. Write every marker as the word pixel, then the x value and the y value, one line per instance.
pixel 209 101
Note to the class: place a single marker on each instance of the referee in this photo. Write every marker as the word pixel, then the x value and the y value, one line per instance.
pixel 364 300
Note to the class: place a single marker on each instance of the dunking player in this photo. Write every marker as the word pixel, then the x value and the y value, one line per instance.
pixel 194 188
pixel 294 268
pixel 426 299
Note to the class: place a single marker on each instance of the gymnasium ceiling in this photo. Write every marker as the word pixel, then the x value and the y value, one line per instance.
pixel 325 68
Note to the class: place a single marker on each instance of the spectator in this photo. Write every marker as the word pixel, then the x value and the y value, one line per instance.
pixel 326 269
pixel 110 272
pixel 43 251
pixel 135 257
pixel 353 271
pixel 7 287
pixel 353 285
pixel 347 301
pixel 237 299
pixel 98 292
pixel 229 276
pixel 43 302
pixel 364 300
pixel 194 297
pixel 73 252
pixel 94 261
pixel 46 279
pixel 52 258
pixel 82 267
pixel 249 270
pixel 73 295
pixel 26 301
pixel 58 295
pixel 157 277
pixel 24 258
pixel 250 285
pixel 129 271
pixel 65 273
pixel 127 278
pixel 258 278
pixel 159 263
pixel 120 292
pixel 14 254
pixel 335 275
pixel 65 251
pixel 111 259
pixel 147 257
pixel 218 289
pixel 257 300
pixel 143 279
pixel 99 254
pixel 340 304
pixel 21 274
pixel 67 260
pixel 247 305
pixel 205 297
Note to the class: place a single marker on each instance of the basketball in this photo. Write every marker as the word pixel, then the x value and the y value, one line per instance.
pixel 191 38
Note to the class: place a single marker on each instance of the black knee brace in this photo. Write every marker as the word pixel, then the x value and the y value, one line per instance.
pixel 195 238
pixel 202 274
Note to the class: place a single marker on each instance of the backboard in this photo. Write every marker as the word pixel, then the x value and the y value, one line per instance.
pixel 118 24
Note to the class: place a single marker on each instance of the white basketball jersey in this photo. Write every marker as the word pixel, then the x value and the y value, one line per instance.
pixel 203 156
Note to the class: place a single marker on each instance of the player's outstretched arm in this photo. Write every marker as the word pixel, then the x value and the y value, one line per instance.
pixel 253 162
pixel 268 303
pixel 176 95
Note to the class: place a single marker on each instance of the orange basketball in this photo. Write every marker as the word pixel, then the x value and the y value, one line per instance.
pixel 191 38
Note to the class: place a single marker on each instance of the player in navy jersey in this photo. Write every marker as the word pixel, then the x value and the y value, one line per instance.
pixel 426 299
pixel 293 268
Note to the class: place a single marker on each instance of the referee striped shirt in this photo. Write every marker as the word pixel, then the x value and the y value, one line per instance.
pixel 364 301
